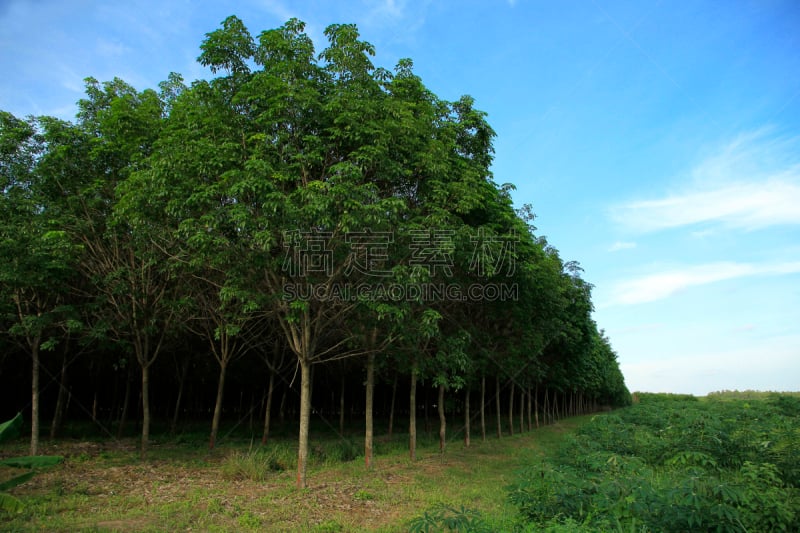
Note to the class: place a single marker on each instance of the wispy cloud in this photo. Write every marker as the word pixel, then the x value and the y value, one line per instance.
pixel 620 245
pixel 751 183
pixel 660 285
pixel 741 205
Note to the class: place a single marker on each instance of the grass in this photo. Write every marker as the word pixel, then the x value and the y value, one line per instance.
pixel 103 486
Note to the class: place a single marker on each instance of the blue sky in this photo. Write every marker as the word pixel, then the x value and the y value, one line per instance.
pixel 658 142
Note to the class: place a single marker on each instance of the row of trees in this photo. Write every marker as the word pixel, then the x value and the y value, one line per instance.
pixel 294 212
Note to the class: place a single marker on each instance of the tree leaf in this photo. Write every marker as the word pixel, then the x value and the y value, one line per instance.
pixel 18 480
pixel 11 429
pixel 10 504
pixel 32 461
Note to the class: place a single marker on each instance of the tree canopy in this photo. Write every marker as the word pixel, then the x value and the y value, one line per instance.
pixel 301 202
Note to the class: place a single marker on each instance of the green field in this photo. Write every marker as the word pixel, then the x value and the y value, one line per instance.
pixel 728 462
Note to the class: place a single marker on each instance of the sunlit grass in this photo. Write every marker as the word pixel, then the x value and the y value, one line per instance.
pixel 242 486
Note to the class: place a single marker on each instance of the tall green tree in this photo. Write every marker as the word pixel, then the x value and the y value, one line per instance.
pixel 36 257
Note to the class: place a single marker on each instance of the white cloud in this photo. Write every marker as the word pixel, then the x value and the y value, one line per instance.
pixel 740 205
pixel 751 183
pixel 660 285
pixel 619 245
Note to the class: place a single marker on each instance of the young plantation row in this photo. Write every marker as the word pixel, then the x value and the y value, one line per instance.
pixel 724 463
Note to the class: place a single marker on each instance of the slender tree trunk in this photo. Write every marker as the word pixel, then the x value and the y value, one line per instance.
pixel 94 407
pixel 511 409
pixel 412 414
pixel 544 407
pixel 466 417
pixel 483 408
pixel 391 405
pixel 282 407
pixel 556 414
pixel 536 405
pixel 425 411
pixel 35 396
pixel 442 420
pixel 123 417
pixel 173 427
pixel 223 367
pixel 530 404
pixel 305 420
pixel 145 409
pixel 521 409
pixel 268 409
pixel 497 404
pixel 368 409
pixel 341 406
pixel 58 415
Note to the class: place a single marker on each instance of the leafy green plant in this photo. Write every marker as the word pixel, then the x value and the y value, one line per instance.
pixel 670 463
pixel 9 430
pixel 446 518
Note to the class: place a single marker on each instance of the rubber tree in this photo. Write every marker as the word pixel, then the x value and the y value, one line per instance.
pixel 124 253
pixel 36 256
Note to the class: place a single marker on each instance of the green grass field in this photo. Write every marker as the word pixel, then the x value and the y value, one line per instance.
pixel 103 486
pixel 727 463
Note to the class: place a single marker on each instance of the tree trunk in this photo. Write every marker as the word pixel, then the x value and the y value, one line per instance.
pixel 530 426
pixel 35 396
pixel 173 427
pixel 282 407
pixel 61 400
pixel 556 415
pixel 536 405
pixel 145 409
pixel 511 409
pixel 412 414
pixel 268 409
pixel 341 407
pixel 521 409
pixel 483 408
pixel 466 418
pixel 391 405
pixel 94 407
pixel 305 420
pixel 425 411
pixel 223 367
pixel 368 409
pixel 545 407
pixel 497 404
pixel 442 420
pixel 123 417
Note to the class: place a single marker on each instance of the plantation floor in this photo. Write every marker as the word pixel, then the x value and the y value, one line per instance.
pixel 104 487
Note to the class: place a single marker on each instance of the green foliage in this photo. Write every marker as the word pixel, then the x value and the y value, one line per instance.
pixel 447 518
pixel 181 217
pixel 17 480
pixel 38 461
pixel 11 429
pixel 10 504
pixel 672 463
pixel 258 464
